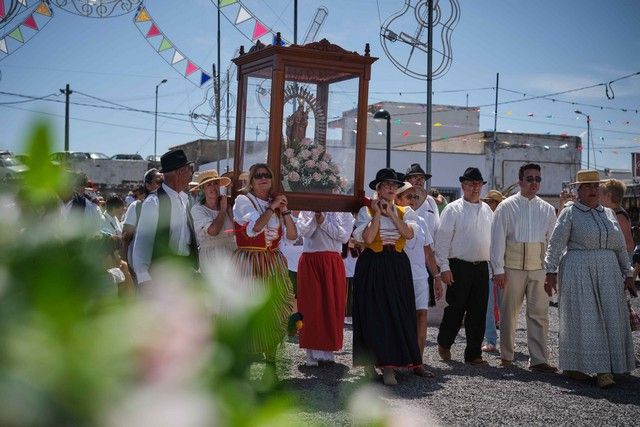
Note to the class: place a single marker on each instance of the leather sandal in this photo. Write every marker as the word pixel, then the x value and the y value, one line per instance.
pixel 479 361
pixel 421 371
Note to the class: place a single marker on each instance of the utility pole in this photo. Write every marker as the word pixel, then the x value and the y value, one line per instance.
pixel 494 145
pixel 295 21
pixel 429 86
pixel 66 92
pixel 228 122
pixel 217 90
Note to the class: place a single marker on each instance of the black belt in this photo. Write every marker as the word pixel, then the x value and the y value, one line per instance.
pixel 468 262
pixel 389 248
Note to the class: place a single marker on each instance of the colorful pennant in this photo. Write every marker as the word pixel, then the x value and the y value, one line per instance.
pixel 26 30
pixel 1 8
pixel 241 17
pixel 167 50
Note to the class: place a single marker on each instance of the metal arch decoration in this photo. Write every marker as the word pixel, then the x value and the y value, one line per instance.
pixel 400 46
pixel 14 9
pixel 98 8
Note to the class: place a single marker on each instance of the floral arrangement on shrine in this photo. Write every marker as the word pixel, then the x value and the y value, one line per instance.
pixel 307 166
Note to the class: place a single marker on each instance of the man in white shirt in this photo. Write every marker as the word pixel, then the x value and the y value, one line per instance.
pixel 112 224
pixel 164 227
pixel 76 202
pixel 522 227
pixel 462 252
pixel 428 211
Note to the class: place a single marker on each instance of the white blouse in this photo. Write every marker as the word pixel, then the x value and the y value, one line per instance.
pixel 388 231
pixel 328 236
pixel 246 211
pixel 202 219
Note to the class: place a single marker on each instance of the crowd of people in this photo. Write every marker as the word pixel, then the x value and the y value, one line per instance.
pixel 384 267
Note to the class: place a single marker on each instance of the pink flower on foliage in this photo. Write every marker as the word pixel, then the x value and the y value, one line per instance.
pixel 323 166
pixel 316 176
pixel 295 163
pixel 332 178
pixel 310 163
pixel 293 176
pixel 305 142
pixel 288 153
pixel 315 153
pixel 327 157
pixel 305 154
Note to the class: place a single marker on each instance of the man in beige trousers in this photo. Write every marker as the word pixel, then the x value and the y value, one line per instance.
pixel 522 225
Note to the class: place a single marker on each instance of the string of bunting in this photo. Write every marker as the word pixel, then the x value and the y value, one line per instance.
pixel 168 51
pixel 242 19
pixel 26 30
pixel 13 9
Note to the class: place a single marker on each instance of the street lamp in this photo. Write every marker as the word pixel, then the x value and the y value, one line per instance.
pixel 155 128
pixel 384 114
pixel 588 136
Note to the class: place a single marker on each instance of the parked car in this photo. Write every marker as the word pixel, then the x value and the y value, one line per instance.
pixel 10 168
pixel 98 156
pixel 151 158
pixel 66 156
pixel 127 157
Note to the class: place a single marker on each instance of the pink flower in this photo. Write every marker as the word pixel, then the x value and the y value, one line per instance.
pixel 305 154
pixel 327 157
pixel 316 176
pixel 315 153
pixel 288 153
pixel 323 166
pixel 293 176
pixel 310 163
pixel 305 142
pixel 332 178
pixel 295 163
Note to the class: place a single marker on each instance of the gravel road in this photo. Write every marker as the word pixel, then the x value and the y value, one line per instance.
pixel 460 394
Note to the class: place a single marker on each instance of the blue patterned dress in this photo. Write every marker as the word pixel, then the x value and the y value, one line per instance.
pixel 588 251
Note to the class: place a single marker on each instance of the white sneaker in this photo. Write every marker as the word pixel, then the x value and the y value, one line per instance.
pixel 348 320
pixel 310 362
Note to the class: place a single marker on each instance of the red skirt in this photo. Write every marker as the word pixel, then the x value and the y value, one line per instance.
pixel 321 300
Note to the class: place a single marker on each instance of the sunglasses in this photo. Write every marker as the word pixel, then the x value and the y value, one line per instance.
pixel 261 175
pixel 531 179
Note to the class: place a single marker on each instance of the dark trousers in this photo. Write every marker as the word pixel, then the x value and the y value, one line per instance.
pixel 467 298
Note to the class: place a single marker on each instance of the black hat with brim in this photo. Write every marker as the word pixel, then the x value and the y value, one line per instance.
pixel 416 170
pixel 386 174
pixel 472 174
pixel 173 160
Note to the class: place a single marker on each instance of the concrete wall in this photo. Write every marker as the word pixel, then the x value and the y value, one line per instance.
pixel 113 172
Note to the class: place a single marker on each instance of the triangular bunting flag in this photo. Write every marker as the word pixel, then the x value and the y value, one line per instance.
pixel 153 31
pixel 31 23
pixel 223 3
pixel 23 2
pixel 177 57
pixel 17 34
pixel 1 9
pixel 43 9
pixel 259 30
pixel 3 45
pixel 190 68
pixel 166 44
pixel 204 78
pixel 143 16
pixel 243 15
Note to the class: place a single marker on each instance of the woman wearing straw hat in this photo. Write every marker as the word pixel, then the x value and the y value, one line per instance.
pixel 587 262
pixel 212 221
pixel 420 253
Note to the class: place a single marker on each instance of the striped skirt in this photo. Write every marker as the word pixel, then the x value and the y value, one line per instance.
pixel 266 270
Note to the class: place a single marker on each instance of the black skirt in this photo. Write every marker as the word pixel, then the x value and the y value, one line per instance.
pixel 384 311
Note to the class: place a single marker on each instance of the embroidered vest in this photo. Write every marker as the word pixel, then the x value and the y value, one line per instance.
pixel 259 242
pixel 376 245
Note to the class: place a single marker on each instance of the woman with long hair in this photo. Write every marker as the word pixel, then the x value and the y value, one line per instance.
pixel 261 219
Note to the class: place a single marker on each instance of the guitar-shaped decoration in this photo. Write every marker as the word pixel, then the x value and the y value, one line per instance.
pixel 400 44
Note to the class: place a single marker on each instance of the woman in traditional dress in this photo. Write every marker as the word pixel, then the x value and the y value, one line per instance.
pixel 420 253
pixel 587 260
pixel 384 320
pixel 261 220
pixel 212 222
pixel 321 280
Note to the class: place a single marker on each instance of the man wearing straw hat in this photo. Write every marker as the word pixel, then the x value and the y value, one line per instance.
pixel 165 227
pixel 522 226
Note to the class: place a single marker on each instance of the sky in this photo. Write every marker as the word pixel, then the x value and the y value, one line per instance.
pixel 539 48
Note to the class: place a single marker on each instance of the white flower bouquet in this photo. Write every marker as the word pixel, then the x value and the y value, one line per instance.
pixel 307 167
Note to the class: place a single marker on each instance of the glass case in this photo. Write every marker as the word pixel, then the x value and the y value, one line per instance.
pixel 302 110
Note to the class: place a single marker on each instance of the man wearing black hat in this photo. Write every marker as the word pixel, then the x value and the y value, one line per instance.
pixel 462 251
pixel 428 211
pixel 164 228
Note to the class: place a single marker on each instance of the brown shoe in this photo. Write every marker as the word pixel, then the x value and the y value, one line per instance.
pixel 504 363
pixel 445 353
pixel 423 372
pixel 605 380
pixel 544 368
pixel 477 362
